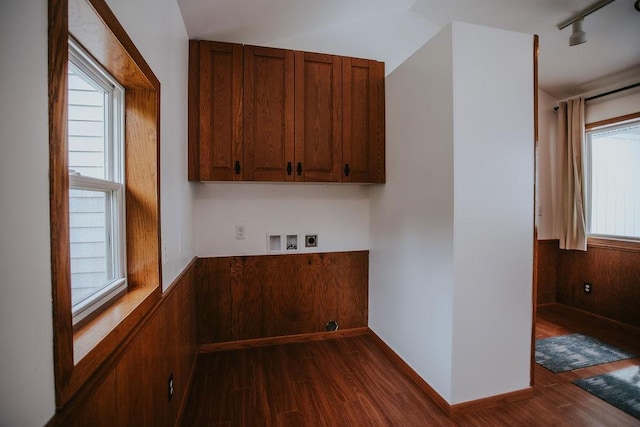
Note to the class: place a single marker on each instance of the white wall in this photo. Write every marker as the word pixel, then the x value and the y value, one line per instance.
pixel 451 232
pixel 411 266
pixel 493 205
pixel 374 36
pixel 26 355
pixel 338 214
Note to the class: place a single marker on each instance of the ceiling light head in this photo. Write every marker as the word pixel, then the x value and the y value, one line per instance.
pixel 578 36
pixel 637 5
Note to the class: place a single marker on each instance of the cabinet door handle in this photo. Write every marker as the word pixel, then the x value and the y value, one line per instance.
pixel 289 168
pixel 346 169
pixel 299 168
pixel 237 167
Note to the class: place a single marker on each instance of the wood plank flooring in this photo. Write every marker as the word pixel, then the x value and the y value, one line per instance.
pixel 351 382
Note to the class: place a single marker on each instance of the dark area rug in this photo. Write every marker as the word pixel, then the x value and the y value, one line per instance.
pixel 619 388
pixel 576 351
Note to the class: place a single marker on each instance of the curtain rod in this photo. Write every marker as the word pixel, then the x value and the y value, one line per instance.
pixel 611 92
pixel 631 86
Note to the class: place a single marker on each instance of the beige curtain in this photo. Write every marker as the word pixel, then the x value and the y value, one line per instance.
pixel 569 221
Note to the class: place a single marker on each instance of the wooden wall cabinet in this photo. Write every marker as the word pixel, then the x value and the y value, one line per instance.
pixel 363 121
pixel 268 114
pixel 265 114
pixel 215 111
pixel 318 117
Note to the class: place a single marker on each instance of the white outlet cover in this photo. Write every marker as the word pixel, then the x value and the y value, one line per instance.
pixel 240 232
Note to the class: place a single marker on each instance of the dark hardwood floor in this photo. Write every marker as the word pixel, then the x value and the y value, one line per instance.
pixel 351 382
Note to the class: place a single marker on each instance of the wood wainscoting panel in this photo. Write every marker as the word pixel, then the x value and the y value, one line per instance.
pixel 251 297
pixel 140 382
pixel 629 308
pixel 547 271
pixel 285 302
pixel 180 326
pixel 132 387
pixel 213 290
pixel 97 410
pixel 257 283
pixel 614 274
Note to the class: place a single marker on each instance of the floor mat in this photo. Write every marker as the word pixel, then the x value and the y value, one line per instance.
pixel 619 388
pixel 576 351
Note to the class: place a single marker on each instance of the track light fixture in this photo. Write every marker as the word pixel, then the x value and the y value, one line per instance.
pixel 637 5
pixel 578 35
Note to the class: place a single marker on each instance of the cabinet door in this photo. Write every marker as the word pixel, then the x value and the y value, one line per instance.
pixel 268 114
pixel 318 121
pixel 363 121
pixel 216 148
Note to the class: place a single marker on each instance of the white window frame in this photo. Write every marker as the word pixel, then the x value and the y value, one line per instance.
pixel 588 178
pixel 113 186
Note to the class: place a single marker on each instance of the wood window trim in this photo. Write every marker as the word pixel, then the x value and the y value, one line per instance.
pixel 80 354
pixel 618 244
pixel 612 121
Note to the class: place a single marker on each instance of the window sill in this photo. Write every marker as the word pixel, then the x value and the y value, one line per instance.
pixel 624 245
pixel 126 310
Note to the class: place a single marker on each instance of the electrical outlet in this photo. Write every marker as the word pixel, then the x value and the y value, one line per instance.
pixel 170 388
pixel 311 241
pixel 240 232
pixel 587 288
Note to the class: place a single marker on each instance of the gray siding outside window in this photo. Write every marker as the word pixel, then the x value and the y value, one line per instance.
pixel 87 209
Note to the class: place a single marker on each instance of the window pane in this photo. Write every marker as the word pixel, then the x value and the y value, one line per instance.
pixel 86 126
pixel 96 202
pixel 615 182
pixel 89 255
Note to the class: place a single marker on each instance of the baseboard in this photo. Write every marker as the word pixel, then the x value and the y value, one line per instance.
pixel 547 304
pixel 458 408
pixel 287 339
pixel 612 322
pixel 491 401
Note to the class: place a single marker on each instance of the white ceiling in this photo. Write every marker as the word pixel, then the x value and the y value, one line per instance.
pixel 391 30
